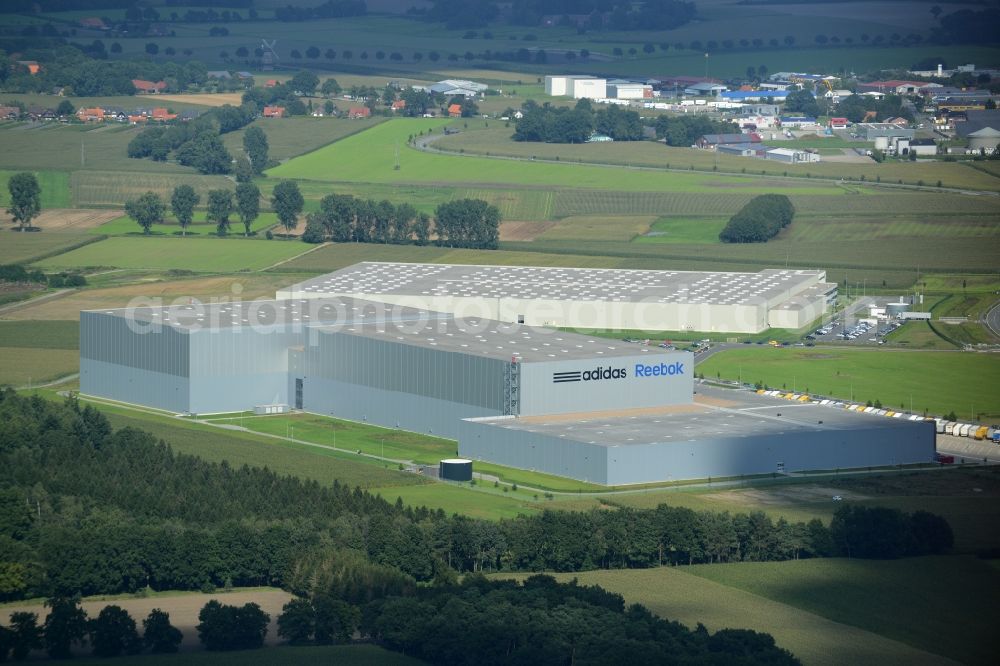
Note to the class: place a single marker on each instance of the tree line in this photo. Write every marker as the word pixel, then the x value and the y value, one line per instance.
pixel 88 510
pixel 603 14
pixel 112 633
pixel 551 124
pixel 683 131
pixel 467 223
pixel 760 220
pixel 197 143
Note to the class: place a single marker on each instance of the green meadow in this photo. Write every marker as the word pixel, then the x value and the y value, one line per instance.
pixel 194 254
pixel 936 381
pixel 370 157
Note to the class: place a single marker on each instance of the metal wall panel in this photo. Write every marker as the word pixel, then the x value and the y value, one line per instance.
pixel 900 443
pixel 545 392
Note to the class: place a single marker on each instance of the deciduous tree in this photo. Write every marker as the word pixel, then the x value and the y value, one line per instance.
pixel 247 205
pixel 256 147
pixel 158 634
pixel 25 198
pixel 147 210
pixel 113 633
pixel 182 203
pixel 220 207
pixel 287 203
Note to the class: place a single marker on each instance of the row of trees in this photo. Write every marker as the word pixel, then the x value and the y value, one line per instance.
pixel 760 220
pixel 112 633
pixel 550 124
pixel 470 223
pixel 485 623
pixel 149 208
pixel 84 511
pixel 603 14
pixel 683 131
pixel 70 68
pixel 17 274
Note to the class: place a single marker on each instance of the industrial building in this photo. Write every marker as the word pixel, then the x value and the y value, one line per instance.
pixel 589 298
pixel 586 407
pixel 576 86
pixel 721 433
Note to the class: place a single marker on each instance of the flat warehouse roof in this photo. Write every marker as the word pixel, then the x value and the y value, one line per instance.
pixel 560 284
pixel 326 311
pixel 494 339
pixel 715 413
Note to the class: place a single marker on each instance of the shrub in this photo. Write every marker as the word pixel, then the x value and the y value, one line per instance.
pixel 759 221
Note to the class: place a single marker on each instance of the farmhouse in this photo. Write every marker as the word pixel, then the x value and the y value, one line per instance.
pixel 149 87
pixel 9 112
pixel 274 112
pixel 398 105
pixel 91 115
pixel 455 110
pixel 359 112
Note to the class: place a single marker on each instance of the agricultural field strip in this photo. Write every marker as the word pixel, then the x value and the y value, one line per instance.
pixel 677 594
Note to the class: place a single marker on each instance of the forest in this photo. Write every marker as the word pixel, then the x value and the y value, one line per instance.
pixel 759 221
pixel 88 510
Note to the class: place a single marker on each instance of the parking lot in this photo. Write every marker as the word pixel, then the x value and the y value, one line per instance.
pixel 856 332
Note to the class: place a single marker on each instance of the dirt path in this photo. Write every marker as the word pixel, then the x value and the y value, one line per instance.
pixel 73 219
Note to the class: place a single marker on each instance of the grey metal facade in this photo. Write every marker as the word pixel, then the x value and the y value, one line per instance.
pixel 872 446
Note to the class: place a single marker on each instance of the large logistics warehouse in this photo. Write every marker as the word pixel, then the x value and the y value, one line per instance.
pixel 590 298
pixel 584 407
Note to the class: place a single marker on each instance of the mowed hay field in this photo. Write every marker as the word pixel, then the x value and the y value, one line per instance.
pixel 194 254
pixel 675 593
pixel 937 381
pixel 371 157
pixel 598 228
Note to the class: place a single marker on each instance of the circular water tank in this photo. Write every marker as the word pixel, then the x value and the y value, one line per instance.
pixel 455 469
pixel 881 143
pixel 896 309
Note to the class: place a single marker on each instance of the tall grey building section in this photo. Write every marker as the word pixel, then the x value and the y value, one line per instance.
pixel 207 358
pixel 427 378
pixel 722 434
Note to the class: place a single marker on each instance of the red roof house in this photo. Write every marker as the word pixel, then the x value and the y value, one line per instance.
pixel 149 87
pixel 274 112
pixel 839 123
pixel 162 115
pixel 399 105
pixel 94 115
pixel 359 112
pixel 455 110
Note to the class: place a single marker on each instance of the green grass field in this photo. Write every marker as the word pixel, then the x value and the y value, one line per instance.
pixel 200 226
pixel 194 254
pixel 288 137
pixel 684 230
pixel 351 436
pixel 899 599
pixel 676 593
pixel 370 157
pixel 54 185
pixel 27 365
pixel 239 448
pixel 40 335
pixel 23 248
pixel 495 141
pixel 937 381
pixel 486 504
